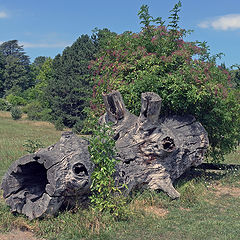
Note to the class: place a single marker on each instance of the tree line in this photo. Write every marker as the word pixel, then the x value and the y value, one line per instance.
pixel 55 89
pixel 67 89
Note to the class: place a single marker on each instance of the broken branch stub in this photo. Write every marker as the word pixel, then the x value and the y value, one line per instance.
pixel 153 152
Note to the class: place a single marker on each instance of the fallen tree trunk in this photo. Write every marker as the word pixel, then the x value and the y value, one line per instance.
pixel 153 152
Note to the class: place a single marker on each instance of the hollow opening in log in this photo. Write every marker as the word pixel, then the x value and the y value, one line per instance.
pixel 168 143
pixel 33 179
pixel 80 170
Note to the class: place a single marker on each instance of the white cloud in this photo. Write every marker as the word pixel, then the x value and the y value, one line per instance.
pixel 226 22
pixel 3 14
pixel 44 45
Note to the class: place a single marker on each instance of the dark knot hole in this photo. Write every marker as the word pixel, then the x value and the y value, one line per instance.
pixel 80 170
pixel 168 143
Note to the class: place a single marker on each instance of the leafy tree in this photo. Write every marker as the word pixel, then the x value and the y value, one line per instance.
pixel 183 73
pixel 37 107
pixel 42 79
pixel 36 66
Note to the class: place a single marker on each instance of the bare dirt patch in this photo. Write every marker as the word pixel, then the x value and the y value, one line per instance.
pixel 18 235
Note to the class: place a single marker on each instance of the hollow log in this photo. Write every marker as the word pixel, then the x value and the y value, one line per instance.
pixel 152 151
pixel 39 184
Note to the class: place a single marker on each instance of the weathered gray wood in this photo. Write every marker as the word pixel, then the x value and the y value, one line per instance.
pixel 39 184
pixel 153 152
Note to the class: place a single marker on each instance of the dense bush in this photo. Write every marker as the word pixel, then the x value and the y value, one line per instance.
pixel 183 73
pixel 5 105
pixel 16 100
pixel 16 113
pixel 35 111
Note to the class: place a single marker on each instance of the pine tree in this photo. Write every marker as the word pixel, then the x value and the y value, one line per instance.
pixel 69 89
pixel 17 74
pixel 2 68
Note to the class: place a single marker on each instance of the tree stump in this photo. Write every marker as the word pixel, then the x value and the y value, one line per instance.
pixel 153 152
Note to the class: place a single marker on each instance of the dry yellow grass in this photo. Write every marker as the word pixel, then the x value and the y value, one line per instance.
pixel 220 190
pixel 19 235
pixel 143 205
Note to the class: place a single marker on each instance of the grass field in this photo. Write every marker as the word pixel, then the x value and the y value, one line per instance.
pixel 208 207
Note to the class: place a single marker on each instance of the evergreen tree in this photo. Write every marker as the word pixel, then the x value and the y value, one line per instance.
pixel 11 48
pixel 39 61
pixel 17 74
pixel 2 68
pixel 69 89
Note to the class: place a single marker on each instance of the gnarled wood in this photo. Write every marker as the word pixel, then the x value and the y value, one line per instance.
pixel 39 184
pixel 153 152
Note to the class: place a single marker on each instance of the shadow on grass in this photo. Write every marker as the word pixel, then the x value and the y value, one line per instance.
pixel 208 176
pixel 200 175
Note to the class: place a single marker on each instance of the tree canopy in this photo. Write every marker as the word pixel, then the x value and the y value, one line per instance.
pixel 183 73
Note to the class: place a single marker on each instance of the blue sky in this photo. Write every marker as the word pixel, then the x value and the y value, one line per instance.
pixel 46 27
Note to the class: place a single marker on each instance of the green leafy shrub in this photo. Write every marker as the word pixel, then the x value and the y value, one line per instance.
pixel 184 74
pixel 5 105
pixel 32 146
pixel 16 113
pixel 35 111
pixel 16 100
pixel 106 196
